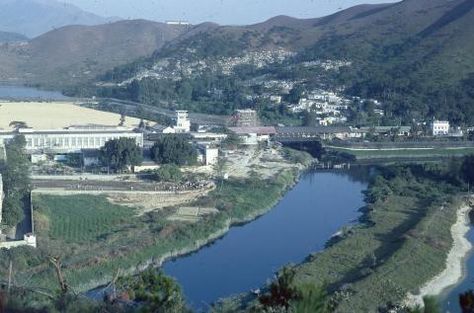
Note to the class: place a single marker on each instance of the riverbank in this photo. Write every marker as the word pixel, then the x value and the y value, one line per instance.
pixel 410 154
pixel 454 270
pixel 402 241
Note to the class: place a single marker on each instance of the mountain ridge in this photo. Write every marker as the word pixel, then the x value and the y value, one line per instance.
pixel 35 17
pixel 412 54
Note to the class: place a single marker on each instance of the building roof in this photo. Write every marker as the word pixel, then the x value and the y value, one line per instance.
pixel 386 128
pixel 263 130
pixel 29 131
pixel 314 130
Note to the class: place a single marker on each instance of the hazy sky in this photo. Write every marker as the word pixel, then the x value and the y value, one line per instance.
pixel 219 11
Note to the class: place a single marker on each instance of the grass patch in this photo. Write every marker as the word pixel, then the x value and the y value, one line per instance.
pixel 81 218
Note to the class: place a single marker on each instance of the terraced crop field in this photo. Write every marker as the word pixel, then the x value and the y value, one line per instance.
pixel 82 218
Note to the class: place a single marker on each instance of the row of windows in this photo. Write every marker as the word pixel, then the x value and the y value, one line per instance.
pixel 67 142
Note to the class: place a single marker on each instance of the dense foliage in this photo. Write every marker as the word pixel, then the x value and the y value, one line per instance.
pixel 16 181
pixel 174 149
pixel 154 291
pixel 118 154
pixel 168 173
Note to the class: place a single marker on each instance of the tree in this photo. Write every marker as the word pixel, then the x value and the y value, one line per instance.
pixel 309 118
pixel 155 292
pixel 295 94
pixel 467 169
pixel 312 299
pixel 168 173
pixel 16 180
pixel 120 153
pixel 122 119
pixel 466 301
pixel 18 125
pixel 430 305
pixel 174 149
pixel 232 140
pixel 281 291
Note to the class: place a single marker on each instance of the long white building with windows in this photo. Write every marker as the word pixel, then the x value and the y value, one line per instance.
pixel 71 139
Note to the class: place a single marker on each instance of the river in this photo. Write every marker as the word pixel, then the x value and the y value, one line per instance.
pixel 29 93
pixel 450 299
pixel 248 256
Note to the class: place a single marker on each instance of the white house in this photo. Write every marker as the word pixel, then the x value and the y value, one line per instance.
pixel 183 124
pixel 440 128
pixel 211 156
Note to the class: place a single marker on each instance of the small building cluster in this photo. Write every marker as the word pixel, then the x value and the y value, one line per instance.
pixel 327 105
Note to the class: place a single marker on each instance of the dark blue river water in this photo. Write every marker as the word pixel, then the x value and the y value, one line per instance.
pixel 27 93
pixel 451 296
pixel 248 256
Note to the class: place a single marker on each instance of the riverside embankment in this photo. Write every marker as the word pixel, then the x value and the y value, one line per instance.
pixel 454 270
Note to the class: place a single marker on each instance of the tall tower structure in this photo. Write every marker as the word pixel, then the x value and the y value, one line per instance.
pixel 183 124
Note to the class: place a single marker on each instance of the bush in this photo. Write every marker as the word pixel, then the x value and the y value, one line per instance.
pixel 168 173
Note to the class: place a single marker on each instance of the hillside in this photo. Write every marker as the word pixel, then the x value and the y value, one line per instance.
pixel 35 17
pixel 7 37
pixel 73 54
pixel 415 55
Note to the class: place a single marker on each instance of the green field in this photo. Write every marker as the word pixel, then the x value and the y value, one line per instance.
pixel 364 154
pixel 81 218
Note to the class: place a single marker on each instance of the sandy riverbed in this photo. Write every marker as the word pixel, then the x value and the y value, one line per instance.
pixel 54 115
pixel 454 270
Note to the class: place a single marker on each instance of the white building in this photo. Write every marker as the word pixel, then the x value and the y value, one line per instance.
pixel 211 155
pixel 440 128
pixel 276 99
pixel 72 139
pixel 183 124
